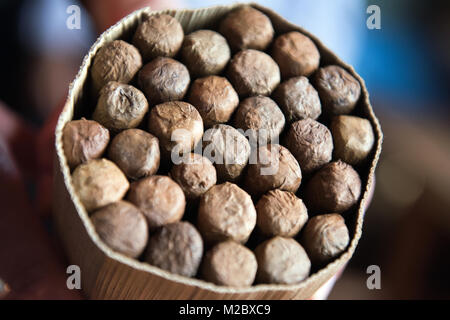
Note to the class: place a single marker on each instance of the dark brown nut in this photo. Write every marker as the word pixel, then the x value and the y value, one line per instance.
pixel 136 152
pixel 205 52
pixel 164 79
pixel 325 237
pixel 115 61
pixel 247 28
pixel 311 144
pixel 226 212
pixel 177 124
pixel 158 35
pixel 122 227
pixel 230 264
pixel 98 183
pixel 84 140
pixel 353 138
pixel 296 54
pixel 228 149
pixel 120 106
pixel 177 248
pixel 159 198
pixel 262 117
pixel 215 99
pixel 339 91
pixel 280 213
pixel 298 99
pixel 334 188
pixel 253 72
pixel 272 167
pixel 281 260
pixel 196 176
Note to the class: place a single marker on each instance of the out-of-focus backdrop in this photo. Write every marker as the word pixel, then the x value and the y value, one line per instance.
pixel 406 66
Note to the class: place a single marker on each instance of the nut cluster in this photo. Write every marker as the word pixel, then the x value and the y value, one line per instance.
pixel 232 164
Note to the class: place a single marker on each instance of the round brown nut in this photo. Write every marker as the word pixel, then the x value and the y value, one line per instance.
pixel 353 138
pixel 247 28
pixel 177 248
pixel 158 35
pixel 122 227
pixel 262 118
pixel 325 237
pixel 298 99
pixel 120 106
pixel 226 212
pixel 334 188
pixel 136 152
pixel 98 183
pixel 253 72
pixel 280 213
pixel 281 260
pixel 215 99
pixel 296 54
pixel 230 264
pixel 177 124
pixel 115 61
pixel 311 144
pixel 205 52
pixel 164 79
pixel 228 149
pixel 84 140
pixel 339 91
pixel 195 176
pixel 159 198
pixel 272 167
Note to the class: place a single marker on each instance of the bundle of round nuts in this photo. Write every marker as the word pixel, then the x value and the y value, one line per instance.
pixel 244 125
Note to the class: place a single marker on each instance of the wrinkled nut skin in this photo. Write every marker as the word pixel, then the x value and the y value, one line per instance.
pixel 226 212
pixel 281 260
pixel 159 198
pixel 325 237
pixel 247 28
pixel 177 248
pixel 115 61
pixel 136 152
pixel 311 144
pixel 196 176
pixel 177 125
pixel 205 52
pixel 298 99
pixel 280 213
pixel 228 149
pixel 272 167
pixel 353 138
pixel 262 116
pixel 296 54
pixel 98 183
pixel 334 188
pixel 120 106
pixel 84 140
pixel 164 79
pixel 158 35
pixel 339 91
pixel 230 264
pixel 215 99
pixel 253 73
pixel 122 227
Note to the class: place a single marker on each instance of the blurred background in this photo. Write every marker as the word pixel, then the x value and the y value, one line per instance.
pixel 406 66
